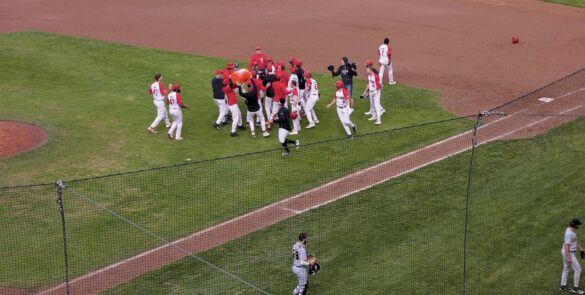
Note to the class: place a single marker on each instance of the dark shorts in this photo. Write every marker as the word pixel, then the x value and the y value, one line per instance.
pixel 349 88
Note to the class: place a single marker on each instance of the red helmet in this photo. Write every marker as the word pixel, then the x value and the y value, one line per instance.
pixel 369 63
pixel 339 84
pixel 307 74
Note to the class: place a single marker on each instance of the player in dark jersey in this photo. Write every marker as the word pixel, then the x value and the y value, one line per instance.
pixel 251 95
pixel 283 119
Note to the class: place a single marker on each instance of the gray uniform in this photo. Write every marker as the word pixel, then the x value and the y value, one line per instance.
pixel 299 268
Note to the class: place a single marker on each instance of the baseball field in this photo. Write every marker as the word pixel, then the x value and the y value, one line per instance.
pixel 441 198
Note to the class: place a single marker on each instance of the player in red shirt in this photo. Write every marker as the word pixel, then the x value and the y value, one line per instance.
pixel 279 88
pixel 230 91
pixel 259 58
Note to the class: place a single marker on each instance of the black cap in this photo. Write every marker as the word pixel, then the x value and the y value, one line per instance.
pixel 345 60
pixel 575 222
pixel 282 101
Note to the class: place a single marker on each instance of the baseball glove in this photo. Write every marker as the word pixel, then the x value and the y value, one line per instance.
pixel 314 269
pixel 582 254
pixel 331 68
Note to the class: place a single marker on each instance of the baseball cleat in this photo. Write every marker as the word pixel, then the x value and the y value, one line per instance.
pixel 577 290
pixel 151 130
pixel 253 134
pixel 297 144
pixel 350 137
pixel 241 127
pixel 382 112
pixel 563 288
pixel 234 134
pixel 392 83
pixel 354 128
pixel 170 136
pixel 378 123
pixel 168 125
pixel 293 133
pixel 372 118
pixel 286 154
pixel 316 121
pixel 367 113
pixel 179 138
pixel 216 126
pixel 223 123
pixel 265 134
pixel 310 126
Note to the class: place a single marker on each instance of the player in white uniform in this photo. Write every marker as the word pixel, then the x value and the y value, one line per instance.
pixel 343 102
pixel 312 95
pixel 385 61
pixel 157 90
pixel 175 105
pixel 373 89
pixel 295 106
pixel 570 261
pixel 300 265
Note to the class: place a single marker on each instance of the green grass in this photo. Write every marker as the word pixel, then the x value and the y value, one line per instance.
pixel 90 96
pixel 576 3
pixel 405 236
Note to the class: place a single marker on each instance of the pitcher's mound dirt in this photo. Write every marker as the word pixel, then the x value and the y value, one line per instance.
pixel 16 138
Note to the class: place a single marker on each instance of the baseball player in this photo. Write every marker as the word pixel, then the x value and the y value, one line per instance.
pixel 251 98
pixel 232 99
pixel 300 265
pixel 343 102
pixel 157 90
pixel 385 61
pixel 374 87
pixel 312 95
pixel 295 107
pixel 270 67
pixel 283 119
pixel 347 72
pixel 279 91
pixel 258 58
pixel 570 261
pixel 219 99
pixel 370 64
pixel 175 102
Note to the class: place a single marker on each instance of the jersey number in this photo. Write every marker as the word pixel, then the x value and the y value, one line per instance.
pixel 171 101
pixel 295 254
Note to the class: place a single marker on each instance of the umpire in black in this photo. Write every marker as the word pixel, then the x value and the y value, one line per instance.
pixel 347 72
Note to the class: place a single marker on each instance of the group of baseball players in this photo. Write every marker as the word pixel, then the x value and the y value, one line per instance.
pixel 274 94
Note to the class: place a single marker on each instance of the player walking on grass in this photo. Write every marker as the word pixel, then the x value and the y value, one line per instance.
pixel 343 102
pixel 219 99
pixel 312 94
pixel 251 98
pixel 283 119
pixel 385 61
pixel 232 99
pixel 175 105
pixel 570 261
pixel 373 89
pixel 295 106
pixel 157 90
pixel 301 264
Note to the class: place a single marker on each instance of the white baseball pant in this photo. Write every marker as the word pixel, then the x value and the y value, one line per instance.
pixel 259 115
pixel 310 108
pixel 275 108
pixel 390 72
pixel 177 115
pixel 236 116
pixel 161 113
pixel 575 266
pixel 343 114
pixel 295 107
pixel 375 96
pixel 223 110
pixel 268 106
pixel 282 134
pixel 303 283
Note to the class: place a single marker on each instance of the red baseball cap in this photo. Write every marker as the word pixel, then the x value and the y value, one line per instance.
pixel 292 69
pixel 369 62
pixel 339 84
pixel 269 59
pixel 176 86
pixel 230 65
pixel 299 62
pixel 308 74
pixel 258 48
pixel 292 60
pixel 218 72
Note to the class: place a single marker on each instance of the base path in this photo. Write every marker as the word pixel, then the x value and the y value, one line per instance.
pixel 520 122
pixel 16 138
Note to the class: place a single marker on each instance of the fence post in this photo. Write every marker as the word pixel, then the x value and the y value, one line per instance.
pixel 59 186
pixel 467 194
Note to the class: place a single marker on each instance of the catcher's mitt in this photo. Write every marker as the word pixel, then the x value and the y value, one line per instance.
pixel 331 68
pixel 582 254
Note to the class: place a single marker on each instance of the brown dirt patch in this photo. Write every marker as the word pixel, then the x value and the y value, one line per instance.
pixel 17 138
